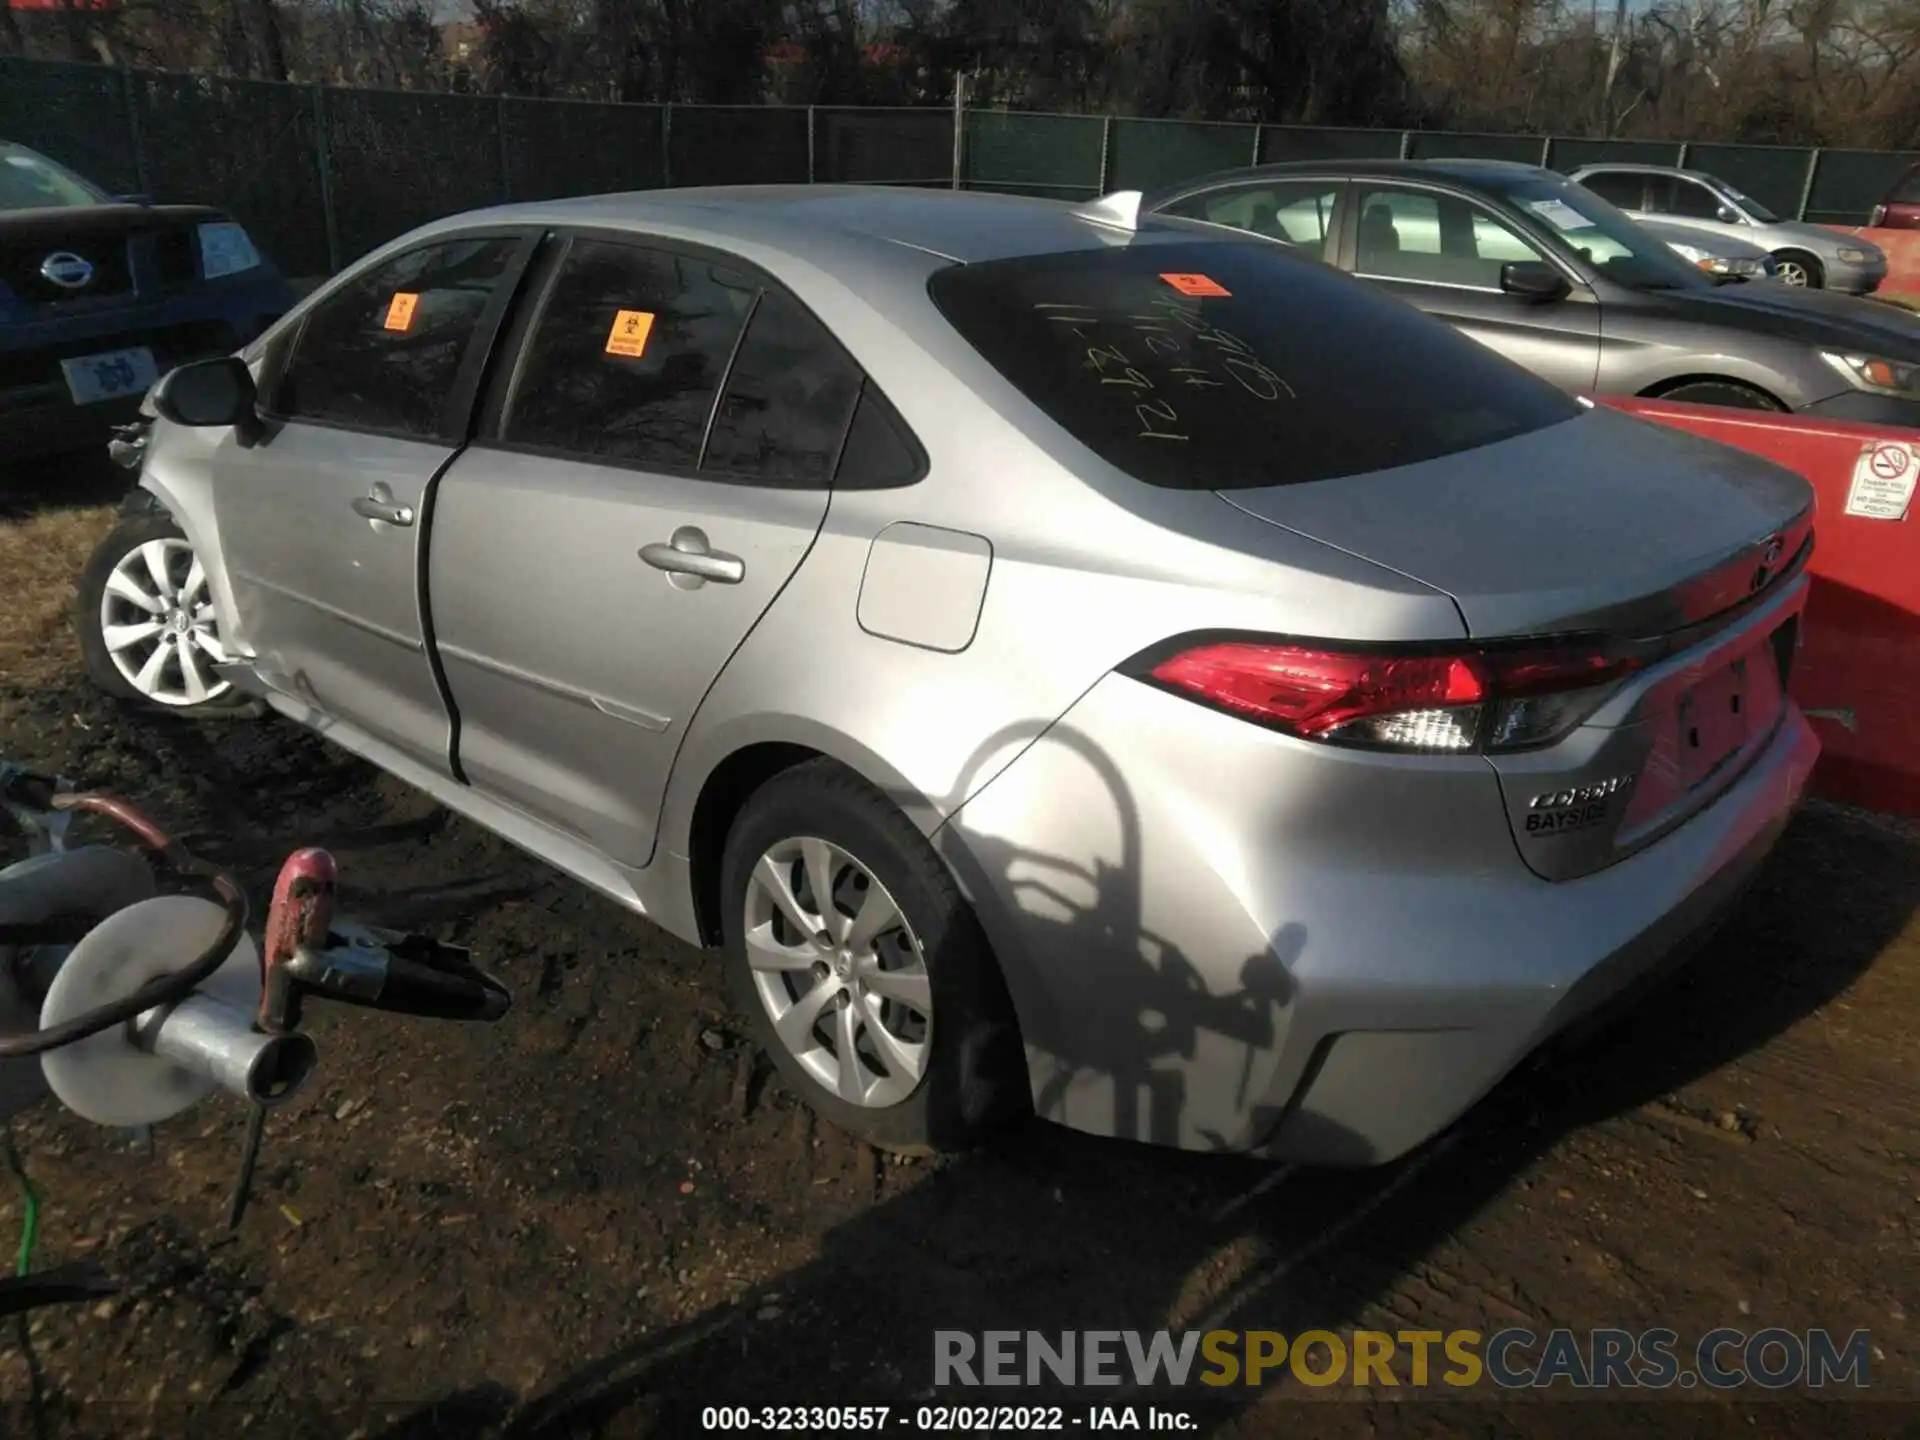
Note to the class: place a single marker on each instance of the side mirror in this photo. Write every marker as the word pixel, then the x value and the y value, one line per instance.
pixel 1533 280
pixel 210 392
pixel 1727 215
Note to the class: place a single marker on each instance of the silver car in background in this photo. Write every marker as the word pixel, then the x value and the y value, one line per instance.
pixel 1065 661
pixel 1808 255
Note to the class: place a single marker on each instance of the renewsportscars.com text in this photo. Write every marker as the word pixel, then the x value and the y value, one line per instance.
pixel 1512 1359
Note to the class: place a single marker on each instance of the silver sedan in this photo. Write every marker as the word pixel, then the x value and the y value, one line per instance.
pixel 1062 660
pixel 1808 255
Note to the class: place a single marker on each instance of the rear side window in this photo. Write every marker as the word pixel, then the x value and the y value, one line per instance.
pixel 627 355
pixel 1296 211
pixel 789 396
pixel 382 354
pixel 880 452
pixel 1234 365
pixel 1625 188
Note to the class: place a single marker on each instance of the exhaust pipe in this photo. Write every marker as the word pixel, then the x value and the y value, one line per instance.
pixel 218 1042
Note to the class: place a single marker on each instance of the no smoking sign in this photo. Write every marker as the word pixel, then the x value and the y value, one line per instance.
pixel 1883 479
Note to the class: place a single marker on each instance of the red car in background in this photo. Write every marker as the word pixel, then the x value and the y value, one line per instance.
pixel 1901 209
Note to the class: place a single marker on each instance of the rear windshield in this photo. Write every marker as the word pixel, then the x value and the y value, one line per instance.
pixel 1907 192
pixel 1234 365
pixel 33 182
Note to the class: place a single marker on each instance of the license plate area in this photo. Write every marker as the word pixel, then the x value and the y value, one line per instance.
pixel 1710 722
pixel 110 375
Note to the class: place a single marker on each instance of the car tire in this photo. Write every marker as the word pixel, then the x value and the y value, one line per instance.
pixel 144 614
pixel 1799 270
pixel 935 1079
pixel 1729 394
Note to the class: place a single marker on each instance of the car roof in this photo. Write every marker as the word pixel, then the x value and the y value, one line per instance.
pixel 966 226
pixel 1647 167
pixel 1466 170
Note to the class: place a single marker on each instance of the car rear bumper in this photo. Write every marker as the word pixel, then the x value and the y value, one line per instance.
pixel 1218 940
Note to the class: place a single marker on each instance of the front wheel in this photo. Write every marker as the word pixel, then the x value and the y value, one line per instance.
pixel 863 971
pixel 146 619
pixel 1799 270
pixel 1730 394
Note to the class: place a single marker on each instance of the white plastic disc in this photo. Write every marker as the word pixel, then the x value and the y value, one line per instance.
pixel 105 1078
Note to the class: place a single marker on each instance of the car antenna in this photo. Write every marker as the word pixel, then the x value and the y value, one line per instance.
pixel 1121 210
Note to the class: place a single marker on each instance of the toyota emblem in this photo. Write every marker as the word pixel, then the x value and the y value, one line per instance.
pixel 67 270
pixel 1770 553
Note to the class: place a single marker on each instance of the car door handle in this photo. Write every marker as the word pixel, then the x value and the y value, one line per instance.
pixel 688 556
pixel 381 506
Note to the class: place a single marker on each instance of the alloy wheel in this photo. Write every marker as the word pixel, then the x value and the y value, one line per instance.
pixel 1792 272
pixel 158 625
pixel 840 972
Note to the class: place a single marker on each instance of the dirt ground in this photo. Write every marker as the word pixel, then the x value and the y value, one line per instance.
pixel 603 1214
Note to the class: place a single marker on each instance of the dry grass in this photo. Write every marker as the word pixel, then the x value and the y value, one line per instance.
pixel 41 556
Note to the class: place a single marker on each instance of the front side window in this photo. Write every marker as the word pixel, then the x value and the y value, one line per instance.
pixel 627 355
pixel 1686 199
pixel 1435 239
pixel 1586 228
pixel 1228 364
pixel 1299 212
pixel 382 353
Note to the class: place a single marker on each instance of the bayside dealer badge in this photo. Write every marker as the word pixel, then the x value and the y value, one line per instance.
pixel 1883 479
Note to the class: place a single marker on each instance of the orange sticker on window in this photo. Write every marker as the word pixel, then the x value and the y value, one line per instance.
pixel 400 312
pixel 629 333
pixel 1196 285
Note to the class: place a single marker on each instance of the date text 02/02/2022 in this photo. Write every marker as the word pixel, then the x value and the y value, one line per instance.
pixel 940 1419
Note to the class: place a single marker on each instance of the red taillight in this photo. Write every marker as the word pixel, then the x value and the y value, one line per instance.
pixel 1506 698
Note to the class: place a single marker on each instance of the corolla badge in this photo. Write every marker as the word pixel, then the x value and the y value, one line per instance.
pixel 67 270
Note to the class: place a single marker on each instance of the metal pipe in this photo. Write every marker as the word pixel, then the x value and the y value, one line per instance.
pixel 215 1040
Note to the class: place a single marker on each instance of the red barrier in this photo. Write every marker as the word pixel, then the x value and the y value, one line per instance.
pixel 1858 673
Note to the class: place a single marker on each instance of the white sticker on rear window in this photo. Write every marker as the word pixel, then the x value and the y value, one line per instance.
pixel 1559 214
pixel 22 161
pixel 1883 477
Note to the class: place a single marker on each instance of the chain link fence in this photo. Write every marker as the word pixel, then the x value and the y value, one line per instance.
pixel 320 175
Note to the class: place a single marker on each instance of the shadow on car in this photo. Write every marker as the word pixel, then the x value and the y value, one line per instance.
pixel 1054 1231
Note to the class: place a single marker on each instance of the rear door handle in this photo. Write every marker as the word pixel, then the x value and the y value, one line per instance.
pixel 380 505
pixel 689 562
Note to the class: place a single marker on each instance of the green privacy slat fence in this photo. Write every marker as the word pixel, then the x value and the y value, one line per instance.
pixel 1146 154
pixel 1058 156
pixel 555 148
pixel 1280 143
pixel 322 175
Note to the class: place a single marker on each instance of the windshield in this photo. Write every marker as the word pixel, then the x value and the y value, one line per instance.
pixel 1752 206
pixel 30 181
pixel 1219 365
pixel 1599 234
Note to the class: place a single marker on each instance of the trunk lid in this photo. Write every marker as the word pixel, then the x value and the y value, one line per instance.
pixel 1602 524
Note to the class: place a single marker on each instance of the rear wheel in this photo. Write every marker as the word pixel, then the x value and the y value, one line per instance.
pixel 1799 269
pixel 146 619
pixel 862 971
pixel 1728 393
